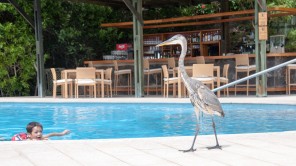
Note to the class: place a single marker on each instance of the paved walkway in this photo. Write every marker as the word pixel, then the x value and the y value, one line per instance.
pixel 240 149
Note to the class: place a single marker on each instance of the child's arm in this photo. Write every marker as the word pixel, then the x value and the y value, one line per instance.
pixel 56 134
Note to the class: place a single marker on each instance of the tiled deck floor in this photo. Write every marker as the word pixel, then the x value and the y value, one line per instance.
pixel 241 149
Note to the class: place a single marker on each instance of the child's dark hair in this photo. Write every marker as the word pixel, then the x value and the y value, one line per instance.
pixel 31 125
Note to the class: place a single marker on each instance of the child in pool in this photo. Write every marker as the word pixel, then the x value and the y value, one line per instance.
pixel 34 132
pixel 35 129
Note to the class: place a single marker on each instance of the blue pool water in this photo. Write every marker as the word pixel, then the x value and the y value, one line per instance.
pixel 98 121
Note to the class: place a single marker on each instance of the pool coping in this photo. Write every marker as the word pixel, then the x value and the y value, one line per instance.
pixel 277 99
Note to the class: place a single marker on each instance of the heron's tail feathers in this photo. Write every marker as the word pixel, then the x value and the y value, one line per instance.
pixel 219 113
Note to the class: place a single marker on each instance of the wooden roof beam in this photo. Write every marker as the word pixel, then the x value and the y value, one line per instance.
pixel 207 22
pixel 291 10
pixel 185 18
pixel 212 21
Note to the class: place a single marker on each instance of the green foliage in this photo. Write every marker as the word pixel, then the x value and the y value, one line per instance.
pixel 71 32
pixel 291 41
pixel 16 55
pixel 236 5
pixel 111 36
pixel 282 3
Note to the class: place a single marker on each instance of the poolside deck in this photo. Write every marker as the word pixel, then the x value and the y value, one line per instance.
pixel 239 149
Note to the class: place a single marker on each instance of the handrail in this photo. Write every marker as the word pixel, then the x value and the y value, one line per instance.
pixel 254 75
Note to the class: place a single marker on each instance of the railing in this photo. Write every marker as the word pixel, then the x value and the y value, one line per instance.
pixel 254 75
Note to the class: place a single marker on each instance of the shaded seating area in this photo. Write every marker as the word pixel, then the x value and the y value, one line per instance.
pixel 83 77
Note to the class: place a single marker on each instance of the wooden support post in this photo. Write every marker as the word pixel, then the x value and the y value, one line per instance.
pixel 39 49
pixel 225 45
pixel 138 50
pixel 261 81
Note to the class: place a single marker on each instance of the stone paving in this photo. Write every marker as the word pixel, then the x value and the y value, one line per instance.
pixel 237 149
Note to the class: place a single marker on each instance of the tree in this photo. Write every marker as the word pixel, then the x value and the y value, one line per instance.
pixel 17 48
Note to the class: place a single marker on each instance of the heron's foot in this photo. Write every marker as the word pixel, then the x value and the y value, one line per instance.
pixel 215 147
pixel 189 150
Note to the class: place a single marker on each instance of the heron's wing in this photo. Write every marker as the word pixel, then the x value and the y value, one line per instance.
pixel 205 98
pixel 192 87
pixel 210 99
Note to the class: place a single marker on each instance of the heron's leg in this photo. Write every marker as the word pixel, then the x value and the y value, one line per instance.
pixel 196 133
pixel 217 143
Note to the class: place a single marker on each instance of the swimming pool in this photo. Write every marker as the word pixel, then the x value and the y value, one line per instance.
pixel 134 120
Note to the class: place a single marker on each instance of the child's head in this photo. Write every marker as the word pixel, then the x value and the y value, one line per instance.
pixel 34 130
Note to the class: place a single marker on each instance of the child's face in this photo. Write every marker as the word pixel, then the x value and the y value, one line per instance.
pixel 36 133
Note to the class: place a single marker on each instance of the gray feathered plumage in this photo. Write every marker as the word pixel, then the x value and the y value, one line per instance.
pixel 201 97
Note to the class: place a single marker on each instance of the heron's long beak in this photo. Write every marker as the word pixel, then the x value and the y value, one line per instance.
pixel 170 41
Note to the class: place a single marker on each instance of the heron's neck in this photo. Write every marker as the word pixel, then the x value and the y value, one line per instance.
pixel 181 60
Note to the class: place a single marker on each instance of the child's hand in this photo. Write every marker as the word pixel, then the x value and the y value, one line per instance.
pixel 66 132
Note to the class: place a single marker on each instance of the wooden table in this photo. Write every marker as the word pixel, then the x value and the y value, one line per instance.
pixel 66 72
pixel 216 69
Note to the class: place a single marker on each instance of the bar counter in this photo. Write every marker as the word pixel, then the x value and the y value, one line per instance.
pixel 276 80
pixel 105 63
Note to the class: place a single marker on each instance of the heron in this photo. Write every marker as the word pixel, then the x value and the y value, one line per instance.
pixel 201 97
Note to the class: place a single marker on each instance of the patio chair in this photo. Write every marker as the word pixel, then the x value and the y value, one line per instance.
pixel 107 81
pixel 242 66
pixel 167 81
pixel 289 82
pixel 148 71
pixel 200 60
pixel 224 78
pixel 117 73
pixel 60 82
pixel 171 65
pixel 204 73
pixel 85 76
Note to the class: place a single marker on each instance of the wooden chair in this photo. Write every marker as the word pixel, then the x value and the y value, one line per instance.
pixel 59 82
pixel 118 72
pixel 289 67
pixel 242 66
pixel 148 72
pixel 107 81
pixel 167 81
pixel 200 60
pixel 85 76
pixel 224 78
pixel 204 73
pixel 90 64
pixel 171 65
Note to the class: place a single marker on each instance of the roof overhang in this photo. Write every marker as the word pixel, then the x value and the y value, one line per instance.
pixel 204 19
